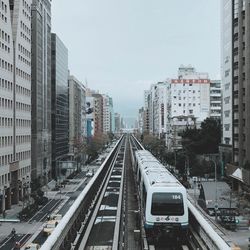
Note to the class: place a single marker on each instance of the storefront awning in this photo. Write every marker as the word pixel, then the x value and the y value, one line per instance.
pixel 237 174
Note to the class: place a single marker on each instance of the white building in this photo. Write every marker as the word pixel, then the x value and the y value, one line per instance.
pixel 226 71
pixel 215 99
pixel 190 103
pixel 106 115
pixel 190 94
pixel 172 105
pixel 140 120
pixel 161 101
pixel 15 102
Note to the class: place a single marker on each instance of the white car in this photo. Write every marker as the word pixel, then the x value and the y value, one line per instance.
pixel 32 246
pixel 89 174
pixel 49 227
pixel 57 217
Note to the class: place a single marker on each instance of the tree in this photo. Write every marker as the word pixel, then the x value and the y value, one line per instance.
pixel 154 145
pixel 201 141
pixel 204 140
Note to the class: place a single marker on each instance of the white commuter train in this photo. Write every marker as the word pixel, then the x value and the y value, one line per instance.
pixel 163 198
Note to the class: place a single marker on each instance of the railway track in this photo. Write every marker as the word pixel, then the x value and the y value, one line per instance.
pixel 103 230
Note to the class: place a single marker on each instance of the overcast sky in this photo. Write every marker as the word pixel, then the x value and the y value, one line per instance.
pixel 122 46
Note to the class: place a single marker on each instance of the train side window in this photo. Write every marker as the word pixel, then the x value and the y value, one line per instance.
pixel 144 195
pixel 139 176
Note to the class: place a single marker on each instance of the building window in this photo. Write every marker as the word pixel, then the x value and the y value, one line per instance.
pixel 227 99
pixel 226 126
pixel 227 85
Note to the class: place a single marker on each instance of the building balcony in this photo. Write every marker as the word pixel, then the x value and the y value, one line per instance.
pixel 215 94
pixel 215 108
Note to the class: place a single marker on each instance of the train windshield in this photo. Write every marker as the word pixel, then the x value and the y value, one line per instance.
pixel 167 204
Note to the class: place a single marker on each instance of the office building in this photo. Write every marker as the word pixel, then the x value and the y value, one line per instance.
pixel 41 90
pixel 59 103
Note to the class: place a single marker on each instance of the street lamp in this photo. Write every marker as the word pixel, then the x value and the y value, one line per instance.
pixel 215 178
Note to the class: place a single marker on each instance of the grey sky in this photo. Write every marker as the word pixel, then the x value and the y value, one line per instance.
pixel 122 46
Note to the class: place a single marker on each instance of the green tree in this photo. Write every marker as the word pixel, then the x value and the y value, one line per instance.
pixel 155 145
pixel 205 140
pixel 201 141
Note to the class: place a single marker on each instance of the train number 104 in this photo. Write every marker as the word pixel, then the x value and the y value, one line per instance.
pixel 176 197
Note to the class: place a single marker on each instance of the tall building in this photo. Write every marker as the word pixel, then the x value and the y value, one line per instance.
pixel 226 72
pixel 140 120
pixel 241 86
pixel 41 90
pixel 90 116
pixel 190 94
pixel 98 112
pixel 15 102
pixel 160 103
pixel 77 114
pixel 59 103
pixel 226 83
pixel 150 100
pixel 112 115
pixel 215 99
pixel 190 103
pixel 106 114
pixel 117 123
pixel 146 112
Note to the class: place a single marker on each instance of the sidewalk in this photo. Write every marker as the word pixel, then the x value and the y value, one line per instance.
pixel 12 214
pixel 239 237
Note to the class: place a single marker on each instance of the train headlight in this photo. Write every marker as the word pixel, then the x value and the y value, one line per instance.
pixel 176 219
pixel 157 218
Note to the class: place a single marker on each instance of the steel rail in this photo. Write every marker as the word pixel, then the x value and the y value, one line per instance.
pixel 86 236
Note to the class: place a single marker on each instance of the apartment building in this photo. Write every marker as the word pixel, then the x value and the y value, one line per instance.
pixel 215 99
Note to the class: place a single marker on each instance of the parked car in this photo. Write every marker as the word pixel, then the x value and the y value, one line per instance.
pixel 57 217
pixel 32 246
pixel 49 227
pixel 89 174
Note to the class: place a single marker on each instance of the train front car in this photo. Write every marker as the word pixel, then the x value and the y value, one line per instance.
pixel 166 209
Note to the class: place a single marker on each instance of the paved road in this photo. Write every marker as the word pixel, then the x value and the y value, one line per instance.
pixel 40 239
pixel 10 241
pixel 46 210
